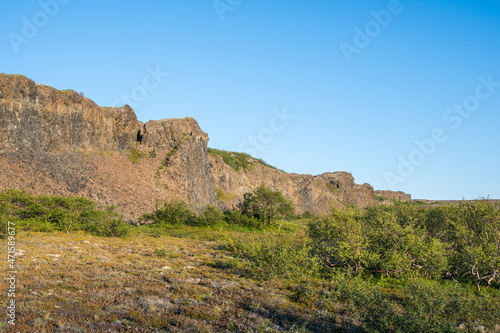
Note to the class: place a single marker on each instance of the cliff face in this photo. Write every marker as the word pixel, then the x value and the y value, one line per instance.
pixel 60 143
pixel 184 171
pixel 41 118
pixel 316 194
pixel 391 195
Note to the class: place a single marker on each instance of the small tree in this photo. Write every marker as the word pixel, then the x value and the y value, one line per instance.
pixel 474 229
pixel 210 217
pixel 340 240
pixel 266 205
pixel 170 213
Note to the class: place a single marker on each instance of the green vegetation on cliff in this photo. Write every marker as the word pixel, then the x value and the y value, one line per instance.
pixel 238 161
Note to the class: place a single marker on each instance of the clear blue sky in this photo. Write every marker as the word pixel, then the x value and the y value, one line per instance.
pixel 361 86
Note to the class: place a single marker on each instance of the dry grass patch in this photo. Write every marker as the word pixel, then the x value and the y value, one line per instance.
pixel 83 283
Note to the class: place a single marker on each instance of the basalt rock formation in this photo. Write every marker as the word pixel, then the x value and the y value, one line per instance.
pixel 391 195
pixel 315 194
pixel 61 143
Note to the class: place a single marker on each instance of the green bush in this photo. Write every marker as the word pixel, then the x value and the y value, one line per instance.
pixel 210 217
pixel 173 212
pixel 474 241
pixel 424 306
pixel 236 217
pixel 403 244
pixel 50 213
pixel 381 241
pixel 306 215
pixel 276 256
pixel 266 205
pixel 104 223
pixel 237 161
pixel 135 155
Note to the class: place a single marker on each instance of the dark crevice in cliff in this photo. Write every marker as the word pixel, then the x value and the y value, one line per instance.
pixel 139 136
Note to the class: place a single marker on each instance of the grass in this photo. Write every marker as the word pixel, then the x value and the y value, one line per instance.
pixel 79 282
pixel 224 196
pixel 331 187
pixel 193 279
pixel 238 161
pixel 227 278
pixel 135 155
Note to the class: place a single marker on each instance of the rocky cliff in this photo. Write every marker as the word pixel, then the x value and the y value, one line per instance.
pixel 391 195
pixel 316 194
pixel 58 142
pixel 40 118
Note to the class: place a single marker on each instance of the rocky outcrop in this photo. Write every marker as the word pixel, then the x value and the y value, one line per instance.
pixel 316 194
pixel 41 118
pixel 184 171
pixel 60 143
pixel 391 195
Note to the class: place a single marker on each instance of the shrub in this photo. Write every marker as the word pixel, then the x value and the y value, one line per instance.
pixel 276 256
pixel 135 155
pixel 171 212
pixel 49 213
pixel 210 217
pixel 427 307
pixel 474 241
pixel 403 244
pixel 307 215
pixel 237 161
pixel 104 223
pixel 266 204
pixel 340 240
pixel 383 240
pixel 236 217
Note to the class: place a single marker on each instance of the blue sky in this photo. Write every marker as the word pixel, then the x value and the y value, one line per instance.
pixel 374 88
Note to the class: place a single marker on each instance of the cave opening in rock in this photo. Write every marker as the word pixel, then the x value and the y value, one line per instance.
pixel 139 136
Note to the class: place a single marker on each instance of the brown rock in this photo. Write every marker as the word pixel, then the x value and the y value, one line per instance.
pixel 41 118
pixel 60 143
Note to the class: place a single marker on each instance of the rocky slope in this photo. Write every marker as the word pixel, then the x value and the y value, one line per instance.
pixel 309 193
pixel 58 142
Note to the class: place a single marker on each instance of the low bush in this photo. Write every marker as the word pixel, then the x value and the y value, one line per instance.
pixel 236 217
pixel 274 256
pixel 173 212
pixel 237 161
pixel 135 155
pixel 209 217
pixel 472 232
pixel 50 213
pixel 266 205
pixel 381 241
pixel 424 306
pixel 458 241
